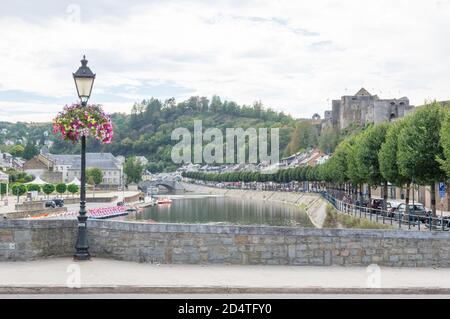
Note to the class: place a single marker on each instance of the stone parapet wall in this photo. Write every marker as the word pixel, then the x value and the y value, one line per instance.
pixel 196 244
pixel 22 240
pixel 32 205
pixel 34 213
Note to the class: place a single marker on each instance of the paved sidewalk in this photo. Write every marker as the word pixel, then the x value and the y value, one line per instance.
pixel 109 276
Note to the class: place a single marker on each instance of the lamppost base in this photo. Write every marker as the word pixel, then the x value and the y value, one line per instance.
pixel 82 256
pixel 82 245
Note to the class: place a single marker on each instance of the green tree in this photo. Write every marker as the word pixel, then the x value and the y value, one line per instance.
pixel 353 171
pixel 304 136
pixel 61 188
pixel 419 148
pixel 445 142
pixel 18 190
pixel 48 189
pixel 94 176
pixel 367 149
pixel 133 169
pixel 30 150
pixel 73 189
pixel 17 150
pixel 328 140
pixel 153 168
pixel 387 157
pixel 33 187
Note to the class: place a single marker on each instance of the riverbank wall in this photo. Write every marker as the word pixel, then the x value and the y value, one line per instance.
pixel 312 204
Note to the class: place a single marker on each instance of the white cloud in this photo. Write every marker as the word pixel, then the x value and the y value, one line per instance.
pixel 293 56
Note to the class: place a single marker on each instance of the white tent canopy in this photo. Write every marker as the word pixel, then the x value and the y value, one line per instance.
pixel 37 181
pixel 75 181
pixel 4 177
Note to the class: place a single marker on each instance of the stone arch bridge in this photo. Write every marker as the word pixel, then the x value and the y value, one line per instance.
pixel 171 185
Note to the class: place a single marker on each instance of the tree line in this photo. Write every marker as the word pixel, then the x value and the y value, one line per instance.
pixel 147 129
pixel 412 150
pixel 48 189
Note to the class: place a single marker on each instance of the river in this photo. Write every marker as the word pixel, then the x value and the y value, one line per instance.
pixel 223 210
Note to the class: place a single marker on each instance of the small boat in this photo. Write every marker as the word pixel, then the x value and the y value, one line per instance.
pixel 164 201
pixel 148 201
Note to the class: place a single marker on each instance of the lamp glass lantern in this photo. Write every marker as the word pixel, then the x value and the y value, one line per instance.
pixel 84 81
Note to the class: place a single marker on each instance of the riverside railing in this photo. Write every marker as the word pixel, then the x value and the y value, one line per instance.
pixel 391 217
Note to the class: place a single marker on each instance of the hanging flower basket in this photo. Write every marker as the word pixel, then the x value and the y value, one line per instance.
pixel 76 121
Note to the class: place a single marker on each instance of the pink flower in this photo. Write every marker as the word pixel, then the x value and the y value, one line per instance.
pixel 76 121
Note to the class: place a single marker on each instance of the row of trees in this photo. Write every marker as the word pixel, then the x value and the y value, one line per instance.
pixel 412 150
pixel 48 189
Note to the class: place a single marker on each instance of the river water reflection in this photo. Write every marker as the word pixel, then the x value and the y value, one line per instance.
pixel 223 210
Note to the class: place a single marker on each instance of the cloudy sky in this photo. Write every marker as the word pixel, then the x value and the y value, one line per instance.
pixel 294 56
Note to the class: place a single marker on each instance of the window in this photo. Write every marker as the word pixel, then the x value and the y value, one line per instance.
pixel 392 192
pixel 392 116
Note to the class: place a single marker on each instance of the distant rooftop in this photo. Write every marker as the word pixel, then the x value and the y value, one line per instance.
pixel 100 160
pixel 363 92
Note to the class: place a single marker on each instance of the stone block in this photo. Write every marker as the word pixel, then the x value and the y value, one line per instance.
pixel 240 239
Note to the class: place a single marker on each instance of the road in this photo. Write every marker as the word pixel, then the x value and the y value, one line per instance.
pixel 104 276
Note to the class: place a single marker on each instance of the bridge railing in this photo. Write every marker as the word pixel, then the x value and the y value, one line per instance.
pixel 404 220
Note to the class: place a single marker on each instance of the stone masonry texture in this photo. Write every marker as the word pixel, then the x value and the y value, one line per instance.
pixel 22 240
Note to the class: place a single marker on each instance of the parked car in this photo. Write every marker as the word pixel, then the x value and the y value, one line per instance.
pixel 414 212
pixel 377 206
pixel 50 203
pixel 59 202
pixel 446 221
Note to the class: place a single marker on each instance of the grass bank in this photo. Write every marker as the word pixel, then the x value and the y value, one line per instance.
pixel 335 219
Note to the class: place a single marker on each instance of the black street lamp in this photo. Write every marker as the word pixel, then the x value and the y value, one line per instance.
pixel 84 81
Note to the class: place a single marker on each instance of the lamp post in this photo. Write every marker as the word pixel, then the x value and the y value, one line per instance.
pixel 84 81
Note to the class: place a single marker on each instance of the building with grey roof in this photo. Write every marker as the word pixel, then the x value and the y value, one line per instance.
pixel 111 168
pixel 69 166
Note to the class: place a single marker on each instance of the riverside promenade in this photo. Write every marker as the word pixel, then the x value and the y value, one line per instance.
pixel 102 276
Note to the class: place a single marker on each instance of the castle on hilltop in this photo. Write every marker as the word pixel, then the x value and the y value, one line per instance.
pixel 363 108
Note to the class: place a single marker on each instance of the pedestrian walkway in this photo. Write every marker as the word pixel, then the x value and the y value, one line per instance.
pixel 110 276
